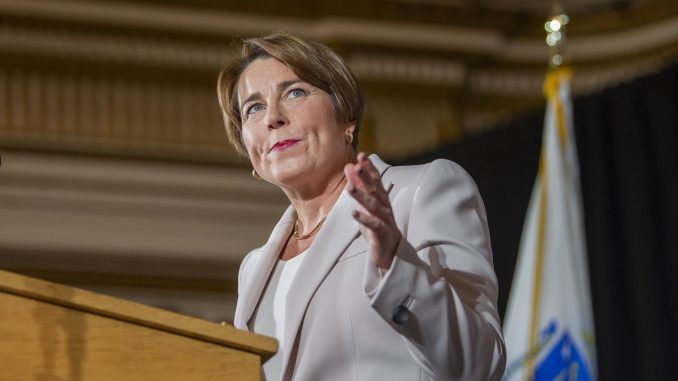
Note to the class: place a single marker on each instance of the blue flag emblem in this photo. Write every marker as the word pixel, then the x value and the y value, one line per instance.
pixel 563 363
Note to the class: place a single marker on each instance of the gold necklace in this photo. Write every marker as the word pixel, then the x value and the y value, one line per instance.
pixel 315 229
pixel 295 233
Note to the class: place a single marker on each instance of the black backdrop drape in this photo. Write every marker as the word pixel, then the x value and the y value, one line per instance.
pixel 627 138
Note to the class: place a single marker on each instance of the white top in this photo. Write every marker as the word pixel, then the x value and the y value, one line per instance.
pixel 269 318
pixel 289 270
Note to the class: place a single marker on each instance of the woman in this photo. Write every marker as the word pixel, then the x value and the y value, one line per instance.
pixel 374 272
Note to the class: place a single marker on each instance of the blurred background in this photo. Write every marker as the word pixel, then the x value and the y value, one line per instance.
pixel 117 177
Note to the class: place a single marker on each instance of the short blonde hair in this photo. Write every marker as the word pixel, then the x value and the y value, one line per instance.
pixel 311 61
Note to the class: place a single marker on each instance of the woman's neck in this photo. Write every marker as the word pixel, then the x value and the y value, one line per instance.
pixel 312 205
pixel 314 197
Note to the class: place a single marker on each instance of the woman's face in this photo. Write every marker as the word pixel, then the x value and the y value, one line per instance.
pixel 289 127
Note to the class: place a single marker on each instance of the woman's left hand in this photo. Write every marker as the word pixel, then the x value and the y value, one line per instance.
pixel 375 216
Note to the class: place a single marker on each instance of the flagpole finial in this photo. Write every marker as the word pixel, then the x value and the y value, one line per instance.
pixel 555 27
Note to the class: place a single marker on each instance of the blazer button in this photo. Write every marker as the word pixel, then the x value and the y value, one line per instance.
pixel 401 314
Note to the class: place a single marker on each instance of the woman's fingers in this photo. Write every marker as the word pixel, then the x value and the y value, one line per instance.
pixel 370 221
pixel 368 174
pixel 365 176
pixel 374 201
pixel 382 238
pixel 356 175
pixel 371 204
pixel 371 170
pixel 374 214
pixel 372 179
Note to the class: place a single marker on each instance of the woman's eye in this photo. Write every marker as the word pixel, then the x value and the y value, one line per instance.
pixel 296 93
pixel 253 108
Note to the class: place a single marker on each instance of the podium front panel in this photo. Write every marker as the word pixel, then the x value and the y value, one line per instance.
pixel 47 342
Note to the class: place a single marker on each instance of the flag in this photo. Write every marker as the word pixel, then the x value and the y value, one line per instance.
pixel 548 326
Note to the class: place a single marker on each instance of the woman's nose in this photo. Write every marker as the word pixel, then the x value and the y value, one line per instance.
pixel 275 118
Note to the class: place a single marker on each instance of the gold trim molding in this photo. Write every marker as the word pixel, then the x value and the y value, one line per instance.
pixel 487 42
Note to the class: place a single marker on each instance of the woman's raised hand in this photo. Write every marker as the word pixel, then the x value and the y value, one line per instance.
pixel 374 215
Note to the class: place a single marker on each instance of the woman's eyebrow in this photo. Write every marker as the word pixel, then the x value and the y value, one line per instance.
pixel 281 86
pixel 251 97
pixel 284 84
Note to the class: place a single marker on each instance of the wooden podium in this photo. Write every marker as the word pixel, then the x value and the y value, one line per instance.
pixel 51 332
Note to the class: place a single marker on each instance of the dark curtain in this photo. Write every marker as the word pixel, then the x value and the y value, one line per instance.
pixel 627 138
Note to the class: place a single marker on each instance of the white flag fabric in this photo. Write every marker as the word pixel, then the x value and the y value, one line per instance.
pixel 548 327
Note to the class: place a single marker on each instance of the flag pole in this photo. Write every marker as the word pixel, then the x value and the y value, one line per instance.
pixel 555 28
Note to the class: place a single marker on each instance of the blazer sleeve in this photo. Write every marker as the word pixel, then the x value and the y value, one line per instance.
pixel 443 272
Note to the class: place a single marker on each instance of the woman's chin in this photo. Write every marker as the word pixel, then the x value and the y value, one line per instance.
pixel 289 172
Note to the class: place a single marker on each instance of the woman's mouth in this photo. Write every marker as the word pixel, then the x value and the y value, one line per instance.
pixel 283 144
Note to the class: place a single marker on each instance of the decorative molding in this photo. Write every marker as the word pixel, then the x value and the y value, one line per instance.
pixel 125 208
pixel 238 24
pixel 537 8
pixel 426 71
pixel 516 83
pixel 111 49
pixel 660 34
pixel 506 83
pixel 151 118
pixel 99 112
pixel 116 115
pixel 604 46
pixel 488 42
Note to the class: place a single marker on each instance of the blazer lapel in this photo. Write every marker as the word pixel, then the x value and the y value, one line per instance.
pixel 249 297
pixel 379 164
pixel 339 230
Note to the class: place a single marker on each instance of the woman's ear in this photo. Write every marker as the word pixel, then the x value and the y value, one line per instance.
pixel 349 127
pixel 348 133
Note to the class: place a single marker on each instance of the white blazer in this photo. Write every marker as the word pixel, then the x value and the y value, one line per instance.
pixel 339 318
